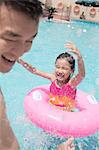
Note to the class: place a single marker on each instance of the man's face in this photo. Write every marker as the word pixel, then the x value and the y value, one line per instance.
pixel 16 34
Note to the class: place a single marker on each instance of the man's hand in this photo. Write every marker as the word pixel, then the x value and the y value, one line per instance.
pixel 68 145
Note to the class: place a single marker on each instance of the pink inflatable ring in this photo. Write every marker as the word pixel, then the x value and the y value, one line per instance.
pixel 77 124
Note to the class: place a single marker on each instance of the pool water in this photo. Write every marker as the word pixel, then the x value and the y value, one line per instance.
pixel 48 44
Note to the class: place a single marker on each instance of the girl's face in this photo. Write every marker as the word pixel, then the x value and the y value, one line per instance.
pixel 62 70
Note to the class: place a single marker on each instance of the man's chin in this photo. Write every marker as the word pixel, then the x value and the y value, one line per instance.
pixel 5 70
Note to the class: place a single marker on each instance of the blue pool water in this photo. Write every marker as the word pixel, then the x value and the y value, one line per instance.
pixel 47 45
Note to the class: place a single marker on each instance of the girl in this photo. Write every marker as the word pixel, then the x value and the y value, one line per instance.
pixel 63 86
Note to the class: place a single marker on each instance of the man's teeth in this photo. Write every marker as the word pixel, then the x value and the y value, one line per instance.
pixel 8 59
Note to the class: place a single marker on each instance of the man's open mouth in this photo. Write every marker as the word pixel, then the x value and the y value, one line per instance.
pixel 8 59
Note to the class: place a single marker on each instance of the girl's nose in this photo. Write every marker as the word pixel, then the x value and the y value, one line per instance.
pixel 60 69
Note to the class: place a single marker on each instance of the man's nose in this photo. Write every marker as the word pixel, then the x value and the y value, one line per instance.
pixel 18 50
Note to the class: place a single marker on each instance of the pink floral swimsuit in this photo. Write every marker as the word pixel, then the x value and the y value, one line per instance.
pixel 65 90
pixel 64 96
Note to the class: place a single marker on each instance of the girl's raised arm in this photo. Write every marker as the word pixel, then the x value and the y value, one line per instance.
pixel 81 68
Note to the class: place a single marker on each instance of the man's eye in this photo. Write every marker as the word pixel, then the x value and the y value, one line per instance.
pixel 29 42
pixel 11 40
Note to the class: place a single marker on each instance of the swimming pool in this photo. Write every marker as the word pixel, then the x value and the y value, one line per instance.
pixel 48 44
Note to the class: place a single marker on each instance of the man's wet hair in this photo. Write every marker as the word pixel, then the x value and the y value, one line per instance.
pixel 32 8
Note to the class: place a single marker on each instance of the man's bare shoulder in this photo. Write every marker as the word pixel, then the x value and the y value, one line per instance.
pixel 6 131
pixel 1 97
pixel 2 103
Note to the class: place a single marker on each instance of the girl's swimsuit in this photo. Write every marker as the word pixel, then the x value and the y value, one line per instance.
pixel 62 96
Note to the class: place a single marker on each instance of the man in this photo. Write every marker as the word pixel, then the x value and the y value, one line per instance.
pixel 68 145
pixel 19 20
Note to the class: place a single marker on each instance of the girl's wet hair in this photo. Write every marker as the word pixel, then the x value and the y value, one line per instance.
pixel 68 58
pixel 32 8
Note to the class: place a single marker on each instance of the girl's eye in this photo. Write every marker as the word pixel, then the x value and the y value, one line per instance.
pixel 57 67
pixel 65 68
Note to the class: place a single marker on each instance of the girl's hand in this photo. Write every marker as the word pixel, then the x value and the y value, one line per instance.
pixel 72 48
pixel 20 61
pixel 26 65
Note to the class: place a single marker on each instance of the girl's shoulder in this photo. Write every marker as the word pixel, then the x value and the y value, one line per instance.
pixel 70 85
pixel 53 78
